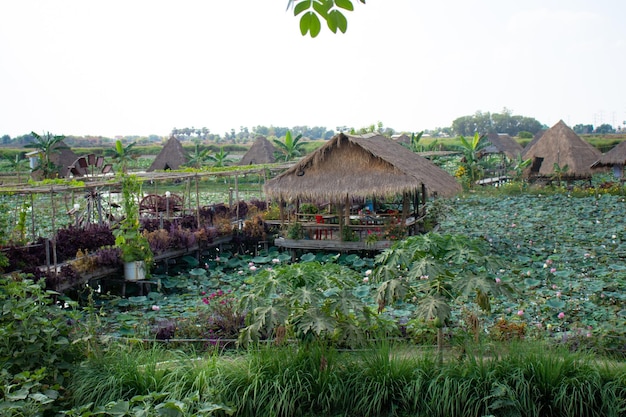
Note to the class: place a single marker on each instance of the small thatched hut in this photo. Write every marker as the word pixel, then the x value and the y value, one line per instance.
pixel 502 143
pixel 261 152
pixel 615 158
pixel 62 157
pixel 562 146
pixel 172 156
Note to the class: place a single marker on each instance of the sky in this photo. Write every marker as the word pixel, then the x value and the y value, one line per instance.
pixel 143 67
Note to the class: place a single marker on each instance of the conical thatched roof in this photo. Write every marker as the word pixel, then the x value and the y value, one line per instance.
pixel 561 145
pixel 172 156
pixel 616 156
pixel 261 152
pixel 503 143
pixel 536 137
pixel 360 166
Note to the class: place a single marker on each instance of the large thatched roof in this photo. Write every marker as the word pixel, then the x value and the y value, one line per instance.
pixel 172 156
pixel 261 152
pixel 503 143
pixel 361 166
pixel 616 156
pixel 561 145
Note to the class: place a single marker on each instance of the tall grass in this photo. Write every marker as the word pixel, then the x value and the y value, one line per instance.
pixel 383 380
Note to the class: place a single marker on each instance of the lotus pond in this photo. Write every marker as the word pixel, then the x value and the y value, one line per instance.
pixel 564 257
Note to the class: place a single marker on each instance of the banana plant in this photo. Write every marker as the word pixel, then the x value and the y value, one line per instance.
pixel 47 145
pixel 291 147
pixel 472 150
pixel 219 159
pixel 122 155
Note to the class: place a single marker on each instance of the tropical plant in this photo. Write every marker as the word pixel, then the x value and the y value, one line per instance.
pixel 432 270
pixel 133 244
pixel 16 164
pixel 122 155
pixel 559 172
pixel 519 166
pixel 310 300
pixel 471 162
pixel 291 147
pixel 219 159
pixel 47 145
pixel 198 157
pixel 328 10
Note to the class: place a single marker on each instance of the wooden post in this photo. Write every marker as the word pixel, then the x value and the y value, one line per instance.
pixel 237 194
pixel 197 202
pixel 32 216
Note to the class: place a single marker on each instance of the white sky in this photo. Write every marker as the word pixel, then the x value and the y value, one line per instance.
pixel 141 67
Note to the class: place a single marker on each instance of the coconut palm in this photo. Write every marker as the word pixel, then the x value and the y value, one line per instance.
pixel 291 147
pixel 47 145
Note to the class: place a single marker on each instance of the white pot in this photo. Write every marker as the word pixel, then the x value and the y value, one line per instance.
pixel 135 271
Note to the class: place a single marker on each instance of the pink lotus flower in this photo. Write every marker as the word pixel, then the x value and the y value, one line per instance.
pixel 276 260
pixel 561 315
pixel 558 293
pixel 155 308
pixel 498 280
pixel 366 279
pixel 252 268
pixel 520 312
pixel 552 270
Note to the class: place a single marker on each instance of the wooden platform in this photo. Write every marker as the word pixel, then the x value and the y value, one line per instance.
pixel 332 245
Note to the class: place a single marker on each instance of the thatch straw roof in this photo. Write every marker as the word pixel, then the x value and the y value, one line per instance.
pixel 536 137
pixel 360 166
pixel 62 156
pixel 616 156
pixel 503 143
pixel 261 152
pixel 172 156
pixel 561 145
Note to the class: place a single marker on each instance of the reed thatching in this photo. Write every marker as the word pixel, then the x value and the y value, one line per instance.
pixel 261 152
pixel 505 144
pixel 360 166
pixel 536 137
pixel 616 156
pixel 561 145
pixel 172 156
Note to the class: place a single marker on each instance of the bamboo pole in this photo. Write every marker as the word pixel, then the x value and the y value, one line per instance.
pixel 197 202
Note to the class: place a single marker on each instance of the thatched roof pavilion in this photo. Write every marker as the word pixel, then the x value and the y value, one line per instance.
pixel 261 152
pixel 561 145
pixel 360 166
pixel 504 144
pixel 172 156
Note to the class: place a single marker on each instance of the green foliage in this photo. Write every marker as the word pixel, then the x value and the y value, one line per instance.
pixel 122 155
pixel 133 244
pixel 330 11
pixel 291 147
pixel 47 145
pixel 295 231
pixel 219 159
pixel 310 300
pixel 471 166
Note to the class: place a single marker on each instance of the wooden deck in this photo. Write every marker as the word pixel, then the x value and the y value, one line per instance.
pixel 332 245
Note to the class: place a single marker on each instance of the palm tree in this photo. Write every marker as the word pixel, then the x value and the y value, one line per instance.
pixel 290 147
pixel 47 145
pixel 122 155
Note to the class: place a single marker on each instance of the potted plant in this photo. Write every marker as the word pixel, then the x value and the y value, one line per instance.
pixel 134 246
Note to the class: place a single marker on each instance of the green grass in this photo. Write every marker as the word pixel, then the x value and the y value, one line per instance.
pixel 384 380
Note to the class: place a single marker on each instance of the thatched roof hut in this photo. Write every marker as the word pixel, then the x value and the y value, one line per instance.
pixel 360 166
pixel 615 158
pixel 62 157
pixel 561 145
pixel 261 152
pixel 504 144
pixel 172 156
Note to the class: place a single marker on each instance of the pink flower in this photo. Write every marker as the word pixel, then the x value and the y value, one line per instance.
pixel 539 326
pixel 155 308
pixel 520 312
pixel 240 272
pixel 558 293
pixel 561 315
pixel 366 279
pixel 250 263
pixel 498 280
pixel 252 268
pixel 552 270
pixel 205 300
pixel 276 260
pixel 217 259
pixel 203 293
pixel 368 272
pixel 549 261
pixel 554 287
